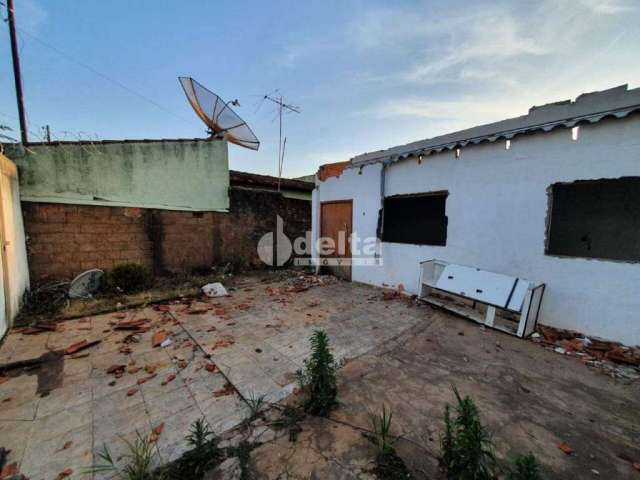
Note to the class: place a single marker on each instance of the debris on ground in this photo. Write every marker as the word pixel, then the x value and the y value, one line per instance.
pixel 116 370
pixel 81 345
pixel 158 338
pixel 613 358
pixel 213 290
pixel 210 367
pixel 37 328
pixel 223 343
pixel 67 472
pixel 156 432
pixel 140 325
pixel 565 448
pixel 301 284
pixel 390 294
pixel 228 389
pixel 9 470
pixel 86 284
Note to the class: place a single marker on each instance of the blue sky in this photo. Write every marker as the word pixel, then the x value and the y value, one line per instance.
pixel 366 74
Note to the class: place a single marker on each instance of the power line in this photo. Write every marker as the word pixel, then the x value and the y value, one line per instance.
pixel 99 73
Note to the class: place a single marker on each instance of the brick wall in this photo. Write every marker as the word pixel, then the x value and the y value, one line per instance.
pixel 64 240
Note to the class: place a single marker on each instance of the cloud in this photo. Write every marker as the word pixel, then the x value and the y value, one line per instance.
pixel 488 37
pixel 499 62
pixel 609 7
pixel 449 115
pixel 388 27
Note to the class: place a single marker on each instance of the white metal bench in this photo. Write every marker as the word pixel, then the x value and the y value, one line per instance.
pixel 478 294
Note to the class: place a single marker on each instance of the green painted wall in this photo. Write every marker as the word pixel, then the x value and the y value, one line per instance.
pixel 184 175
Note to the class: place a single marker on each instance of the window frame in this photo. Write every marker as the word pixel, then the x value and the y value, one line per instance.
pixel 550 212
pixel 435 193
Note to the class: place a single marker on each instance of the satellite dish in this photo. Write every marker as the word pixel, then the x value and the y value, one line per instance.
pixel 86 284
pixel 217 115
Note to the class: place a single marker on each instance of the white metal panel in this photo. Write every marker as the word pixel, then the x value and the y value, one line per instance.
pixel 481 285
pixel 519 293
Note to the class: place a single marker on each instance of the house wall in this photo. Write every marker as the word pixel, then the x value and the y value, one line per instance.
pixel 497 210
pixel 16 277
pixel 64 240
pixel 173 175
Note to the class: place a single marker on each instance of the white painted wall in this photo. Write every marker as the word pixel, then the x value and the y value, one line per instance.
pixel 364 190
pixel 15 252
pixel 497 207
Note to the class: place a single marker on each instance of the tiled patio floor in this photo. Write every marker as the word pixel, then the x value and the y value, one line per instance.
pixel 58 416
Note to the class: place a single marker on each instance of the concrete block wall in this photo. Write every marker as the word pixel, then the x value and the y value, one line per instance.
pixel 64 240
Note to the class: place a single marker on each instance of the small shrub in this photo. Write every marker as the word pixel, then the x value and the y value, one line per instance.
pixel 467 448
pixel 45 300
pixel 137 462
pixel 201 457
pixel 318 378
pixel 129 278
pixel 525 467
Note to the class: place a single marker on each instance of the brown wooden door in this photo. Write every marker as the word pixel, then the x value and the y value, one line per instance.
pixel 336 223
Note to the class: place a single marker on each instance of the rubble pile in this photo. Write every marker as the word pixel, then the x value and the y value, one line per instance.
pixel 613 358
pixel 302 283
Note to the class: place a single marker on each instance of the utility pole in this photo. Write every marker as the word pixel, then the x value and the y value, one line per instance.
pixel 281 106
pixel 16 73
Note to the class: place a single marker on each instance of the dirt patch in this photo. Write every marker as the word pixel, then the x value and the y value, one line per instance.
pixel 530 399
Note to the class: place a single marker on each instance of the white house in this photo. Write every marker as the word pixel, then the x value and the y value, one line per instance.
pixel 552 196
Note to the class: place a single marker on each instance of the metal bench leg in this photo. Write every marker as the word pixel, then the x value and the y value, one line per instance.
pixel 491 316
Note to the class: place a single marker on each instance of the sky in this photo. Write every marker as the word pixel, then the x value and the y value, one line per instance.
pixel 366 75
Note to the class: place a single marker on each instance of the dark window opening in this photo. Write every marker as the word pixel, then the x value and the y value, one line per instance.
pixel 596 219
pixel 416 219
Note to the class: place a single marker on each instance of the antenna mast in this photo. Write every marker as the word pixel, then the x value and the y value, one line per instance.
pixel 281 146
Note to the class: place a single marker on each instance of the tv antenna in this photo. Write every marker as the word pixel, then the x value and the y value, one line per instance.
pixel 279 101
pixel 217 115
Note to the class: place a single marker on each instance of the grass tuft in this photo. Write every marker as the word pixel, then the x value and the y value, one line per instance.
pixel 256 405
pixel 138 461
pixel 389 466
pixel 381 426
